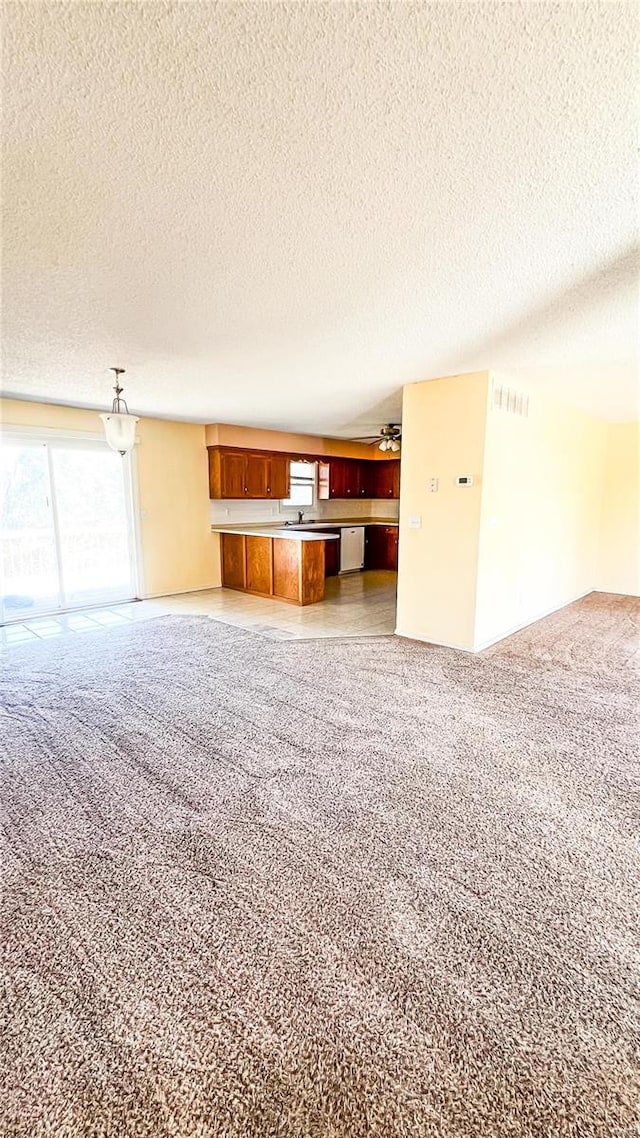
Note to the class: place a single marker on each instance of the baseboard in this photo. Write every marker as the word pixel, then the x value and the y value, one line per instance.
pixel 530 620
pixel 503 635
pixel 436 643
pixel 617 593
pixel 179 592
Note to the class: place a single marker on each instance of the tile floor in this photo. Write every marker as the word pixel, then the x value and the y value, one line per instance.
pixel 361 604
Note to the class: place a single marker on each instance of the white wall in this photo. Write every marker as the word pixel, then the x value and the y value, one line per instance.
pixel 540 518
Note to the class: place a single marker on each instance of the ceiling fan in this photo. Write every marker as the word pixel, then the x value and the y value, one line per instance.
pixel 388 438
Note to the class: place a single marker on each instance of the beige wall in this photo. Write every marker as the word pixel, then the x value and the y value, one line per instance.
pixel 226 434
pixel 554 512
pixel 619 563
pixel 541 507
pixel 443 436
pixel 179 552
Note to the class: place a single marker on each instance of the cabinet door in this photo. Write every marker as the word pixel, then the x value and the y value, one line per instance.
pixel 391 547
pixel 385 480
pixel 332 555
pixel 354 478
pixel 344 478
pixel 259 565
pixel 256 478
pixel 232 474
pixel 373 547
pixel 338 476
pixel 233 558
pixel 395 480
pixel 381 547
pixel 368 478
pixel 279 476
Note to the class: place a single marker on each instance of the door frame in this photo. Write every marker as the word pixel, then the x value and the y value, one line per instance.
pixel 49 436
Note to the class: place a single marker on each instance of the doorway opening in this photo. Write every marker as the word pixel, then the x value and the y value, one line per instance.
pixel 66 527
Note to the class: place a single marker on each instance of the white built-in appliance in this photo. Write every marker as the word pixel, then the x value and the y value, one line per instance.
pixel 351 549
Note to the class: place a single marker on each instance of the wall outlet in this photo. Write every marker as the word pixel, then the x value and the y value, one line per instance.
pixel 415 522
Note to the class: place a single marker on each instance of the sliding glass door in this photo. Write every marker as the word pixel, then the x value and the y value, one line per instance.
pixel 66 537
pixel 29 581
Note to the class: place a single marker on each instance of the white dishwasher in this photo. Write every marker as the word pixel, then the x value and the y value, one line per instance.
pixel 351 549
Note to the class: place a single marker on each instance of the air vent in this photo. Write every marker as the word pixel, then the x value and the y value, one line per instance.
pixel 509 400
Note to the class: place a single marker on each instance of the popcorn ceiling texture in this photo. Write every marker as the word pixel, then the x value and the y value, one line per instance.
pixel 276 214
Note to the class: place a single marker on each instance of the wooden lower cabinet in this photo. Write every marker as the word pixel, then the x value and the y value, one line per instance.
pixel 332 555
pixel 298 570
pixel 234 560
pixel 275 567
pixel 259 577
pixel 381 547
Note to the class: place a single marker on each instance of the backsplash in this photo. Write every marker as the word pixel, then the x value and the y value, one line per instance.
pixel 241 511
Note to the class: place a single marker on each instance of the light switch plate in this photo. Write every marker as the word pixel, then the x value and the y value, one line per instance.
pixel 415 522
pixel 433 485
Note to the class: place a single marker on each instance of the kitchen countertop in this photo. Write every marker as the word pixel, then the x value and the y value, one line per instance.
pixel 289 533
pixel 309 531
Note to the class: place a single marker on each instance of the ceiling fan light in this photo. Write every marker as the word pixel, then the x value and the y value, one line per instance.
pixel 394 445
pixel 384 444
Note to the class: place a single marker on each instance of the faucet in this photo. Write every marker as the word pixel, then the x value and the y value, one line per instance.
pixel 300 517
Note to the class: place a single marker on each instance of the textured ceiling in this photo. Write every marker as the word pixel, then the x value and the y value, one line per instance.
pixel 277 214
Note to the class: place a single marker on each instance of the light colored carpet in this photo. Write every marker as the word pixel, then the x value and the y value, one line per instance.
pixel 323 889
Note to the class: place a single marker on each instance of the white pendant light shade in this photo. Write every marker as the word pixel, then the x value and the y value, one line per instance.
pixel 120 431
pixel 119 425
pixel 394 445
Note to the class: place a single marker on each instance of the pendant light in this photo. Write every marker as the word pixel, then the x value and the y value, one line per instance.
pixel 119 425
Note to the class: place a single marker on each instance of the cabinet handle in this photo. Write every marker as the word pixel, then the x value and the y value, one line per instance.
pixel 268 489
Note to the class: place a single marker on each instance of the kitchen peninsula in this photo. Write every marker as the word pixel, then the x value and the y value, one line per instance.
pixel 274 561
pixel 255 558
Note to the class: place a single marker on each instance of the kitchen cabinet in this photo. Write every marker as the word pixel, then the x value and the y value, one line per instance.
pixel 234 560
pixel 387 479
pixel 340 478
pixel 232 465
pixel 256 475
pixel 259 474
pixel 358 478
pixel 381 479
pixel 236 473
pixel 259 565
pixel 276 567
pixel 279 476
pixel 381 547
pixel 298 570
pixel 332 555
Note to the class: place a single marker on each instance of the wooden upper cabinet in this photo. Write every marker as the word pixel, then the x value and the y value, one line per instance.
pixel 387 478
pixel 226 473
pixel 353 478
pixel 256 477
pixel 340 478
pixel 247 474
pixel 237 473
pixel 279 480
